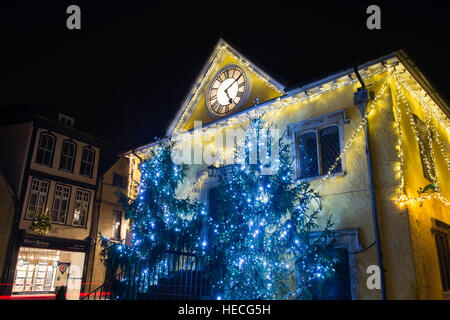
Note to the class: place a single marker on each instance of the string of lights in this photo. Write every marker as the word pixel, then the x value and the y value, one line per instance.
pixel 431 168
pixel 430 123
pixel 356 132
pixel 400 138
pixel 428 103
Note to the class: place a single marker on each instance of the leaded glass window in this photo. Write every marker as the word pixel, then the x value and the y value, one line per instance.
pixel 308 155
pixel 318 152
pixel 330 149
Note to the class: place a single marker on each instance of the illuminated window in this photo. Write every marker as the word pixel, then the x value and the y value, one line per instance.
pixel 45 150
pixel 60 204
pixel 67 156
pixel 37 199
pixel 81 208
pixel 87 162
pixel 425 151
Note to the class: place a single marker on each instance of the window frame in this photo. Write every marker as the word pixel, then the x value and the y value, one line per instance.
pixel 64 119
pixel 113 236
pixel 75 204
pixel 92 164
pixel 59 197
pixel 29 197
pixel 316 124
pixel 46 133
pixel 74 155
pixel 441 229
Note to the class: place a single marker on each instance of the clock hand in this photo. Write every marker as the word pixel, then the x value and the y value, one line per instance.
pixel 229 98
pixel 226 90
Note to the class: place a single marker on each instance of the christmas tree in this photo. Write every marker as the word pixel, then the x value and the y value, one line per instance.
pixel 42 224
pixel 265 239
pixel 160 221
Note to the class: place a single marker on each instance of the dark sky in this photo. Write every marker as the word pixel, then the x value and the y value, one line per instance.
pixel 124 74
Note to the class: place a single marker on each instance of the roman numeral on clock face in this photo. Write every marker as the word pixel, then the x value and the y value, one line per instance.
pixel 215 105
pixel 212 98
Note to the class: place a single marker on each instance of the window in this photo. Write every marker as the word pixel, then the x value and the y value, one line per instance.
pixel 87 162
pixel 81 209
pixel 60 204
pixel 67 156
pixel 442 236
pixel 425 151
pixel 318 143
pixel 338 287
pixel 318 151
pixel 120 181
pixel 37 199
pixel 45 149
pixel 117 224
pixel 65 120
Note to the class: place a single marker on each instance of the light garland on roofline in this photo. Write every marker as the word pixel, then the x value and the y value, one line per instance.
pixel 272 109
pixel 192 103
pixel 430 124
pixel 283 101
pixel 403 199
pixel 428 103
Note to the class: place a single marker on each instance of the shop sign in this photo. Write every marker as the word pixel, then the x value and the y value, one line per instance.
pixel 53 243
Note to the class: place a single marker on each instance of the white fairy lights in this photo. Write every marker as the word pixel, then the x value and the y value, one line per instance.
pixel 273 108
pixel 431 168
pixel 200 87
pixel 399 146
pixel 355 133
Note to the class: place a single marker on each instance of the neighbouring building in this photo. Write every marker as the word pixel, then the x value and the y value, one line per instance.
pixel 7 207
pixel 408 138
pixel 110 215
pixel 51 167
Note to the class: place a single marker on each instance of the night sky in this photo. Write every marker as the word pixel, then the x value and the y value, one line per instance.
pixel 125 73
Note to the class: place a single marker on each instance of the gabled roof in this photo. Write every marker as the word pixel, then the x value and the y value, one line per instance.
pixel 188 106
pixel 411 74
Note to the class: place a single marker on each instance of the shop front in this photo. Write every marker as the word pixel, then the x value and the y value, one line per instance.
pixel 45 264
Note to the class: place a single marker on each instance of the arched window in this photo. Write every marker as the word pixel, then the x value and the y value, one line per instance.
pixel 87 162
pixel 67 155
pixel 45 149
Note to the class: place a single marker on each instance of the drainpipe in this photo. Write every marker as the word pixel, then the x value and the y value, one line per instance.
pixel 99 203
pixel 361 98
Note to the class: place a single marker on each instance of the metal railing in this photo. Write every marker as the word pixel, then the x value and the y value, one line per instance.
pixel 176 275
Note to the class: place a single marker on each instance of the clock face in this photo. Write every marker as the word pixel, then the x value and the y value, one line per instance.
pixel 227 91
